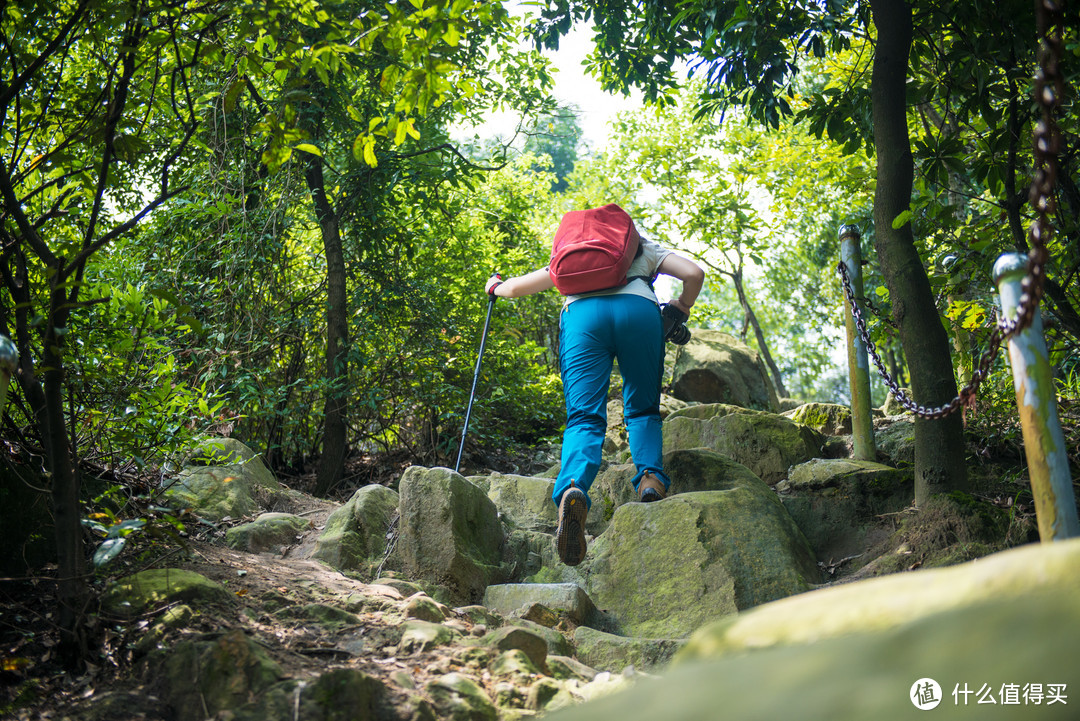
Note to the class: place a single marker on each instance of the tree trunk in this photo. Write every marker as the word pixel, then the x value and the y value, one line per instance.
pixel 335 425
pixel 939 444
pixel 71 587
pixel 762 345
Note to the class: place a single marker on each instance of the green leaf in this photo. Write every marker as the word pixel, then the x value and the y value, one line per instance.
pixel 109 549
pixel 901 220
pixel 308 148
pixel 125 527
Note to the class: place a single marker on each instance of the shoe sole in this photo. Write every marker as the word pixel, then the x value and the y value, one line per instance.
pixel 650 495
pixel 570 537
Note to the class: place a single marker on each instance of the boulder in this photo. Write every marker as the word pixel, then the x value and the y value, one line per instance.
pixel 547 695
pixel 450 532
pixel 715 367
pixel 836 503
pixel 420 636
pixel 424 608
pixel 230 488
pixel 705 411
pixel 516 638
pixel 1014 655
pixel 524 500
pixel 895 441
pixel 608 652
pixel 345 693
pixel 355 535
pixel 830 419
pixel 205 677
pixel 887 602
pixel 146 590
pixel 614 485
pixel 339 694
pixel 557 643
pixel 321 614
pixel 565 668
pixel 765 443
pixel 456 697
pixel 515 664
pixel 268 532
pixel 568 598
pixel 892 407
pixel 663 569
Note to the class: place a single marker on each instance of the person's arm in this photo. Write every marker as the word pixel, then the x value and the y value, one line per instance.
pixel 691 275
pixel 534 282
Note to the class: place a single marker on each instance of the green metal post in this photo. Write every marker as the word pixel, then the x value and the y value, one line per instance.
pixel 862 422
pixel 1044 442
pixel 9 357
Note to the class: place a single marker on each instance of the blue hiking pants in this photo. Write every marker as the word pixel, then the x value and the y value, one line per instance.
pixel 593 332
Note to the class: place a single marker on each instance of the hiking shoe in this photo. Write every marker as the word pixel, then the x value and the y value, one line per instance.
pixel 650 488
pixel 570 536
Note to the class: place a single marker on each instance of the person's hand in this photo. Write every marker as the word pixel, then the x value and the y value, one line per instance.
pixel 492 283
pixel 681 306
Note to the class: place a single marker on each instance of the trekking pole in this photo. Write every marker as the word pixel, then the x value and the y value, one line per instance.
pixel 476 377
pixel 9 358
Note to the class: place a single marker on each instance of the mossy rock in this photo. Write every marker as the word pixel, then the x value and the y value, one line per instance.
pixel 698 556
pixel 609 652
pixel 515 664
pixel 715 367
pixel 219 452
pixel 765 443
pixel 524 500
pixel 206 677
pixel 845 507
pixel 269 531
pixel 829 419
pixel 870 674
pixel 449 533
pixel 509 638
pixel 322 614
pixel 888 602
pixel 895 442
pixel 705 411
pixel 420 636
pixel 354 537
pixel 457 697
pixel 137 594
pixel 346 693
pixel 236 485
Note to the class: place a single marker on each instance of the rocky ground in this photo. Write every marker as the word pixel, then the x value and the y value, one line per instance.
pixel 281 622
pixel 427 594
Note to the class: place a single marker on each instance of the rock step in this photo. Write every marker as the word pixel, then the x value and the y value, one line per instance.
pixel 515 599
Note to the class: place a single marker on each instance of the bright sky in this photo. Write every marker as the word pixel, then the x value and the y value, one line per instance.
pixel 572 85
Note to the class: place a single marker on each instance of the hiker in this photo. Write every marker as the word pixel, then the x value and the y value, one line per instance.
pixel 623 322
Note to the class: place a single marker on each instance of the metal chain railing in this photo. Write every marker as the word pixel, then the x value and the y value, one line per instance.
pixel 1049 89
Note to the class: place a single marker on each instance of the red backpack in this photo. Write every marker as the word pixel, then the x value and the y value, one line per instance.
pixel 593 250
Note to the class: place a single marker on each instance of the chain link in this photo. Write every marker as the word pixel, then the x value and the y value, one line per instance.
pixel 1049 89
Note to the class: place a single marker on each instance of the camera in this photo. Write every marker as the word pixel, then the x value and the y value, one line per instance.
pixel 674 320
